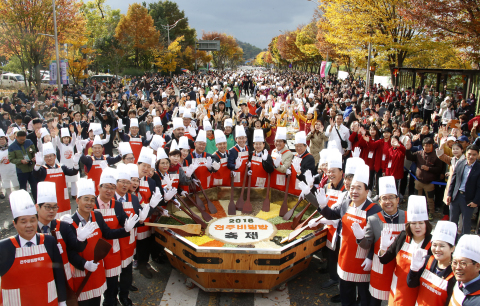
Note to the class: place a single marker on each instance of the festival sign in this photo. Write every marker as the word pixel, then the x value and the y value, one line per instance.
pixel 241 230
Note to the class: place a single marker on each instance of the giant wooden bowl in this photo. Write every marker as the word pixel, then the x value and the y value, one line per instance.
pixel 241 269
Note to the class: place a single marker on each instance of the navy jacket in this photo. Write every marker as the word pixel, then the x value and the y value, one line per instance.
pixel 232 156
pixel 68 236
pixel 41 173
pixel 472 186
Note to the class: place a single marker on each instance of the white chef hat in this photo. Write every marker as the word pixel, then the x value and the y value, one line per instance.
pixel 145 155
pixel 161 154
pixel 97 141
pixel 181 110
pixel 311 110
pixel 334 161
pixel 183 143
pixel 134 122
pixel 445 231
pixel 417 208
pixel 201 136
pixel 22 204
pixel 48 149
pixel 228 122
pixel 323 156
pixel 352 164
pixel 301 138
pixel 281 133
pixel 387 186
pixel 133 170
pixel 187 114
pixel 468 246
pixel 157 142
pixel 44 132
pixel 239 131
pixel 207 126
pixel 124 148
pixel 258 136
pixel 173 145
pixel 46 192
pixel 123 173
pixel 311 95
pixel 85 187
pixel 2 133
pixel 157 121
pixel 64 132
pixel 178 123
pixel 108 176
pixel 220 136
pixel 252 99
pixel 362 174
pixel 164 95
pixel 98 129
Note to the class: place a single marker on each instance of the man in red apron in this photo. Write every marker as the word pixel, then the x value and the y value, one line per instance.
pixel 134 138
pixel 82 262
pixel 203 172
pixel 221 174
pixel 53 172
pixel 302 162
pixel 282 159
pixel 190 130
pixel 93 164
pixel 389 218
pixel 31 264
pixel 178 131
pixel 261 163
pixel 466 266
pixel 238 156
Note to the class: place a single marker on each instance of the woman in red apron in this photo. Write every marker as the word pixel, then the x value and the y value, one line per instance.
pixel 416 236
pixel 433 275
pixel 261 163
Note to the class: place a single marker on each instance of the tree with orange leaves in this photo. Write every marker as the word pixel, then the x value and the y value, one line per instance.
pixel 229 48
pixel 136 31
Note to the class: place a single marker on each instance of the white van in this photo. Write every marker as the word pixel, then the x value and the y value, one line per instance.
pixel 12 80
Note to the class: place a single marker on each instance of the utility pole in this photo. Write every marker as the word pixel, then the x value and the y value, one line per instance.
pixel 168 28
pixel 367 89
pixel 59 81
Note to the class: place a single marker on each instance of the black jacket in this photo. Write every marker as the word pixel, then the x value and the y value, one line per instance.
pixel 41 173
pixel 472 186
pixel 68 236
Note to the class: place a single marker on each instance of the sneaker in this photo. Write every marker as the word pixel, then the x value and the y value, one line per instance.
pixel 430 217
pixel 335 299
pixel 2 196
pixel 329 284
pixel 145 272
pixel 135 264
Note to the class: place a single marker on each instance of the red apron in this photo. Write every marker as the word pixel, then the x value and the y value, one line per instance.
pixel 95 172
pixel 144 232
pixel 259 175
pixel 400 293
pixel 57 176
pixel 30 280
pixel 349 267
pixel 113 261
pixel 433 289
pixel 240 172
pixel 96 284
pixel 175 177
pixel 128 244
pixel 293 187
pixel 458 296
pixel 136 145
pixel 381 275
pixel 222 176
pixel 66 263
pixel 277 180
pixel 202 172
pixel 187 134
pixel 331 230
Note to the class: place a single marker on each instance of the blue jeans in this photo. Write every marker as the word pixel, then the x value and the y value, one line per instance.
pixel 23 178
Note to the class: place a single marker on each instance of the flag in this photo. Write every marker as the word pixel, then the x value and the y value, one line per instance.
pixel 327 67
pixel 322 69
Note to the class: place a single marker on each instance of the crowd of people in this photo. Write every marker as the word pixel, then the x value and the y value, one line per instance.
pixel 126 148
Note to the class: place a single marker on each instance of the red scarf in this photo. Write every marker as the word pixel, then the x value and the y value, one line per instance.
pixel 174 168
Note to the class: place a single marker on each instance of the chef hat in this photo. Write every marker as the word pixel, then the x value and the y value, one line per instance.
pixel 220 136
pixel 311 95
pixel 445 231
pixel 201 136
pixel 85 187
pixel 417 208
pixel 228 122
pixel 239 131
pixel 207 126
pixel 281 133
pixel 164 95
pixel 134 122
pixel 187 114
pixel 181 110
pixel 468 246
pixel 2 133
pixel 108 176
pixel 124 148
pixel 46 192
pixel 123 173
pixel 183 143
pixel 64 132
pixel 252 99
pixel 174 146
pixel 301 138
pixel 97 130
pixel 157 142
pixel 157 121
pixel 362 174
pixel 44 132
pixel 323 156
pixel 258 136
pixel 97 141
pixel 387 185
pixel 334 161
pixel 352 164
pixel 22 204
pixel 178 123
pixel 48 149
pixel 161 154
pixel 133 170
pixel 311 110
pixel 145 155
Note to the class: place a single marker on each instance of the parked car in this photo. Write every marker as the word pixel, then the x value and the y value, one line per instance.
pixel 12 80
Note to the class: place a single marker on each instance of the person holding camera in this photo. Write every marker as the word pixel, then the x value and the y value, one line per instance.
pixel 338 133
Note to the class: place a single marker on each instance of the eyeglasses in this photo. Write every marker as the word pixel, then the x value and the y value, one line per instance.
pixel 390 198
pixel 461 264
pixel 109 188
pixel 50 208
pixel 124 182
pixel 129 158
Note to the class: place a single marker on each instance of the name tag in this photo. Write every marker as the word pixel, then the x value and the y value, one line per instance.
pixel 390 165
pixel 370 154
pixel 383 157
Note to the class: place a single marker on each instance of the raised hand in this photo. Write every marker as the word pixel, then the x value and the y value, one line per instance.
pixel 309 179
pixel 209 162
pixel 277 160
pixel 156 198
pixel 130 222
pixel 358 231
pixel 322 199
pixel 39 158
pixel 418 260
pixel 386 239
pixel 216 165
pixel 170 194
pixel 143 214
pixel 83 232
pixel 296 164
pixel 238 163
pixel 356 152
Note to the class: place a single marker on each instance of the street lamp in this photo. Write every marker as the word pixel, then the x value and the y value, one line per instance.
pixel 169 27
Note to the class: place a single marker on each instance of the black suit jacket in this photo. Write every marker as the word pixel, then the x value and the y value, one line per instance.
pixel 68 236
pixel 472 186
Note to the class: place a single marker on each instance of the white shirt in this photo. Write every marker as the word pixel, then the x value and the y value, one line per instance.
pixel 333 136
pixel 24 241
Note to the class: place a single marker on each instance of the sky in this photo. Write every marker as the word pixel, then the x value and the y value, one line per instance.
pixel 252 21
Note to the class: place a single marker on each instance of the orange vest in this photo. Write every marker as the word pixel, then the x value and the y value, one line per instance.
pixel 113 261
pixel 240 172
pixel 433 289
pixel 278 179
pixel 144 232
pixel 331 230
pixel 57 176
pixel 128 244
pixel 222 176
